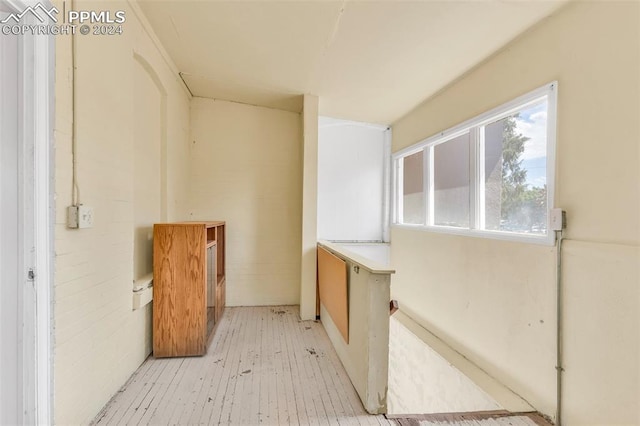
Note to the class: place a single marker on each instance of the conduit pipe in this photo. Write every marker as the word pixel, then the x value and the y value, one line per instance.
pixel 559 328
pixel 75 188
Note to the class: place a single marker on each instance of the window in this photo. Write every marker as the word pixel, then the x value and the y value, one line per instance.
pixel 412 171
pixel 451 184
pixel 490 176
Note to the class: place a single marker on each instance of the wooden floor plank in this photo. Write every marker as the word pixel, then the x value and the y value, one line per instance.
pixel 210 382
pixel 298 354
pixel 336 387
pixel 287 414
pixel 221 350
pixel 138 390
pixel 226 393
pixel 273 409
pixel 307 356
pixel 342 382
pixel 107 416
pixel 288 326
pixel 240 396
pixel 292 329
pixel 147 394
pixel 332 403
pixel 171 376
pixel 184 392
pixel 166 405
pixel 156 396
pixel 248 409
pixel 472 419
pixel 265 362
pixel 263 366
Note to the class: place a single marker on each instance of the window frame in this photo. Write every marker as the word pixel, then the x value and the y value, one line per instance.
pixel 474 127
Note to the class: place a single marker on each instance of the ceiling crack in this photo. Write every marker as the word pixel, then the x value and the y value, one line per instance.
pixel 336 26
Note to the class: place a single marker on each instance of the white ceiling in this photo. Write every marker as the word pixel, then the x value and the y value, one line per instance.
pixel 367 61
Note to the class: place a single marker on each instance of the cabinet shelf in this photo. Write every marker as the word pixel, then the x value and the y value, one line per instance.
pixel 189 286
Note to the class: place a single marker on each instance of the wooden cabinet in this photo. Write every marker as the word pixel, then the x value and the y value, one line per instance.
pixel 188 286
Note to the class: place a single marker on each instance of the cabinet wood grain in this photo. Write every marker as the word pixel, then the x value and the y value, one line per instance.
pixel 183 315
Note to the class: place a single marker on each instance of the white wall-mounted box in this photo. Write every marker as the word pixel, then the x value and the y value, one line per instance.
pixel 142 297
pixel 80 216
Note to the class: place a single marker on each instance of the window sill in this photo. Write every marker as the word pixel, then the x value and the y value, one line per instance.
pixel 545 240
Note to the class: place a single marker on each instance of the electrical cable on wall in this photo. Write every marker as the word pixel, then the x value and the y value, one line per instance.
pixel 559 312
pixel 78 215
pixel 75 188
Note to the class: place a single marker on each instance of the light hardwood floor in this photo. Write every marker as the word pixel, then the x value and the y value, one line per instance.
pixel 474 419
pixel 263 366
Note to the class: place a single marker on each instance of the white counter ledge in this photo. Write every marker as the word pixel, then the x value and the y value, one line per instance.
pixel 377 263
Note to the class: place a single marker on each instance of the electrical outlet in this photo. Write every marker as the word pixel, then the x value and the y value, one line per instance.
pixel 79 216
pixel 85 217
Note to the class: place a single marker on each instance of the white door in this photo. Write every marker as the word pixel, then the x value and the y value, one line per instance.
pixel 25 224
pixel 10 294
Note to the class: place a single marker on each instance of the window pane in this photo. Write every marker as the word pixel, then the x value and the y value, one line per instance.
pixel 515 155
pixel 413 189
pixel 451 182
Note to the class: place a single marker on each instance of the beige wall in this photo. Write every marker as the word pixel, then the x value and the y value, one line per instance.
pixel 148 130
pixel 246 169
pixel 494 301
pixel 99 340
pixel 309 121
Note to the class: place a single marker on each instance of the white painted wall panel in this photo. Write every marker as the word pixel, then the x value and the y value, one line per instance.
pixel 350 180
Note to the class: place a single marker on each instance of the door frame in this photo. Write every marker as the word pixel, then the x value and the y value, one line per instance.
pixel 35 186
pixel 44 217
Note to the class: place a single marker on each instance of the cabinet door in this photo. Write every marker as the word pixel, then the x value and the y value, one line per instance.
pixel 179 294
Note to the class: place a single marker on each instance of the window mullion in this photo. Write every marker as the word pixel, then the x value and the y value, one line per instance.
pixel 399 195
pixel 476 165
pixel 473 178
pixel 428 185
pixel 481 197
